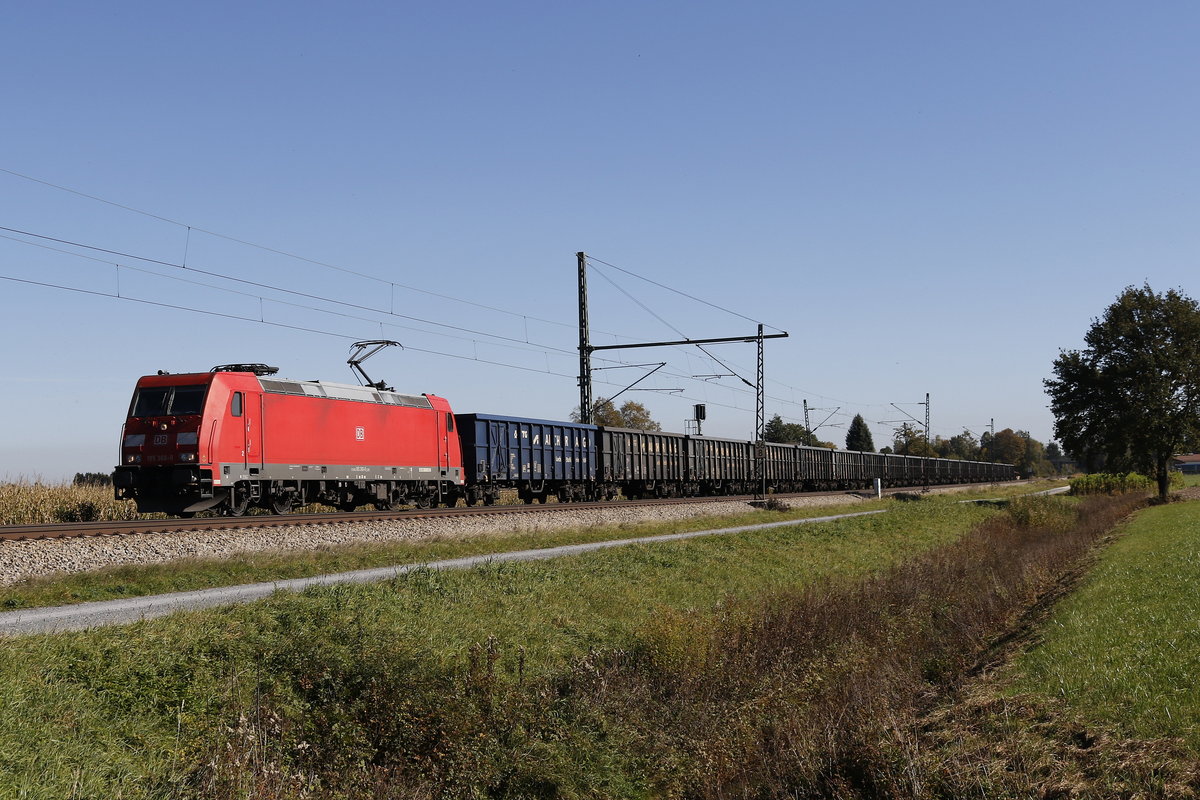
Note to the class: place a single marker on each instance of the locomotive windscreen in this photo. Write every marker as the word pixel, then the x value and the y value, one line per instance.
pixel 161 401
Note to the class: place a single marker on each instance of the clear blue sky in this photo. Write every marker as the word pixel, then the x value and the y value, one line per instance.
pixel 929 197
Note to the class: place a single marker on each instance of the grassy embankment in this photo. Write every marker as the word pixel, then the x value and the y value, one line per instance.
pixel 1124 650
pixel 189 574
pixel 793 661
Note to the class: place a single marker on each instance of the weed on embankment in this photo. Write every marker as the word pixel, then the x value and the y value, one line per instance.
pixel 815 691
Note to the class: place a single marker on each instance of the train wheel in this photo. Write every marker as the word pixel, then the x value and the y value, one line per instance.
pixel 281 504
pixel 489 499
pixel 238 507
pixel 348 505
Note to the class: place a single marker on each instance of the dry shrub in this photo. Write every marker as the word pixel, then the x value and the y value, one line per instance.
pixel 817 693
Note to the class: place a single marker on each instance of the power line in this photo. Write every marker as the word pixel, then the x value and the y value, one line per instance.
pixel 546 348
pixel 272 287
pixel 533 347
pixel 260 321
pixel 308 329
pixel 276 251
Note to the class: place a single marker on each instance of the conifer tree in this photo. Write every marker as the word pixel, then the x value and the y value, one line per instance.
pixel 859 436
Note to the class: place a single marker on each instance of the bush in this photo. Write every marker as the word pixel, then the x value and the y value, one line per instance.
pixel 1107 483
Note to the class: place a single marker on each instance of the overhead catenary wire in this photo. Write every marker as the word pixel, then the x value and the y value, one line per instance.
pixel 531 347
pixel 307 329
pixel 261 318
pixel 549 349
pixel 261 285
pixel 275 251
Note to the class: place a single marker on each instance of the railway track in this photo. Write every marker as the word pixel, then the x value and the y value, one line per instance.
pixel 141 526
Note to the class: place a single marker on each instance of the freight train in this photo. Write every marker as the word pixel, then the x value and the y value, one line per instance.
pixel 237 437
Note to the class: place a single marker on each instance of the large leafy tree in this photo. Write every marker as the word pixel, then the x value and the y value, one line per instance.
pixel 1132 396
pixel 858 437
pixel 776 430
pixel 631 414
pixel 910 441
pixel 1007 447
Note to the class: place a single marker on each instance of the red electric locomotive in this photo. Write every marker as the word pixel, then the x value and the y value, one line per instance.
pixel 235 437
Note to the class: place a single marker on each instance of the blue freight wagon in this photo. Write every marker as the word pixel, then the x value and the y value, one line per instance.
pixel 644 463
pixel 536 457
pixel 724 466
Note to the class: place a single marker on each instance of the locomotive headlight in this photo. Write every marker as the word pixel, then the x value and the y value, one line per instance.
pixel 187 456
pixel 135 458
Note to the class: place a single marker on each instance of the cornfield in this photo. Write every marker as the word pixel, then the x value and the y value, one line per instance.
pixel 25 503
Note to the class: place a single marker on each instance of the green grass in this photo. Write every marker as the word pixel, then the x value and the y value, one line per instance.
pixel 132 712
pixel 1125 648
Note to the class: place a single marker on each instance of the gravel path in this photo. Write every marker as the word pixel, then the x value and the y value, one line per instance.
pixel 27 559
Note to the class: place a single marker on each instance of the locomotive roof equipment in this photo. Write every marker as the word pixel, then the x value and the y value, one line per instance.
pixel 357 356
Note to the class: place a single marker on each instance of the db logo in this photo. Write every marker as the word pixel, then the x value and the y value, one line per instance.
pixel 360 434
pixel 160 438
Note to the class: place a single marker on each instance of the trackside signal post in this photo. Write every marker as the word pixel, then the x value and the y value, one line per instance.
pixel 585 366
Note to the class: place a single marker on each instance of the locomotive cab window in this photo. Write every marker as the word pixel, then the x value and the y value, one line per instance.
pixel 235 405
pixel 161 401
pixel 450 423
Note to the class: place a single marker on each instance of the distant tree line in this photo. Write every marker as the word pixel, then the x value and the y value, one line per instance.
pixel 92 479
pixel 1018 448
